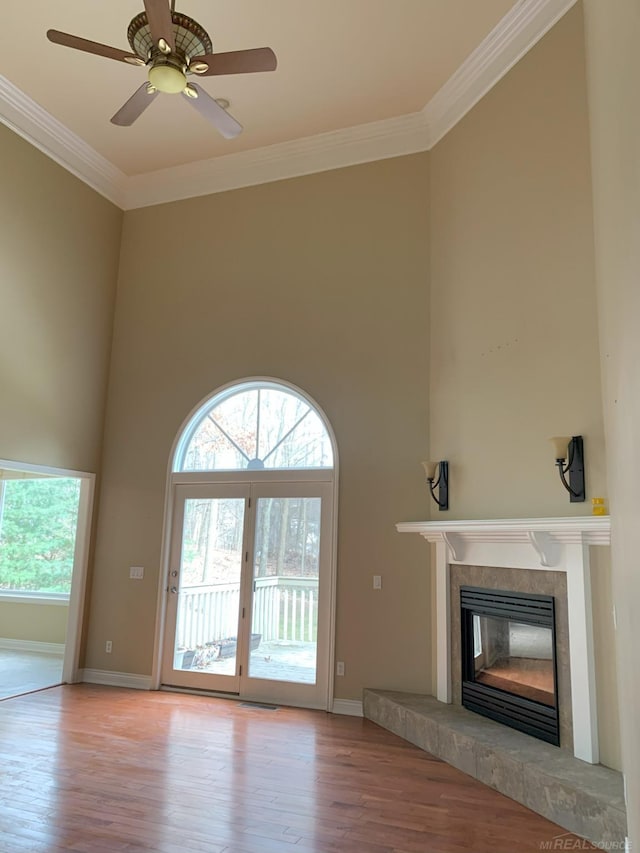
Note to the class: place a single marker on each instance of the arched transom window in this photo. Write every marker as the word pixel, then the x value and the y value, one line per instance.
pixel 252 426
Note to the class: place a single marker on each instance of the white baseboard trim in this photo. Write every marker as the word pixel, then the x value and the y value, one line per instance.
pixel 350 707
pixel 115 679
pixel 32 646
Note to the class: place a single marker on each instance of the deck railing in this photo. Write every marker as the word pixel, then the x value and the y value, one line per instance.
pixel 284 608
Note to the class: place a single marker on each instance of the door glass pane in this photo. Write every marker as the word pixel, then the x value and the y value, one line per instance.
pixel 285 590
pixel 209 585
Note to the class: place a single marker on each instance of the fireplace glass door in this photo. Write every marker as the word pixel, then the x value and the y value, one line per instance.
pixel 514 656
pixel 508 659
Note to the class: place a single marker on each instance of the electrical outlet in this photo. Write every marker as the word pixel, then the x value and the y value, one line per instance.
pixel 377 581
pixel 340 667
pixel 108 646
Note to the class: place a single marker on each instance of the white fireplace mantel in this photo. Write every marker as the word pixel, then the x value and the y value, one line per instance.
pixel 550 544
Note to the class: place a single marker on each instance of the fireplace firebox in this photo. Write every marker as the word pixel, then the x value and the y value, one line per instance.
pixel 509 659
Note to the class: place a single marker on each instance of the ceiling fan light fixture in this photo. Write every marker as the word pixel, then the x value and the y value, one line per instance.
pixel 190 91
pixel 167 79
pixel 199 67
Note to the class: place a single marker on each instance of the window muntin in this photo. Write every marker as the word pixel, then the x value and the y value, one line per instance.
pixel 254 426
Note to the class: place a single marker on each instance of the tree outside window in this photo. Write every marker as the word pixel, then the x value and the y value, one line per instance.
pixel 38 521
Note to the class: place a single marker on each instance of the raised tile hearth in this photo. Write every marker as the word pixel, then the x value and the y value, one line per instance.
pixel 583 798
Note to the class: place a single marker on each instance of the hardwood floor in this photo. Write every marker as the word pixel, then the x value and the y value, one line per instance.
pixel 105 770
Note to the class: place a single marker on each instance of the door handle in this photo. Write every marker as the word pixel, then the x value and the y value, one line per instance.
pixel 173 589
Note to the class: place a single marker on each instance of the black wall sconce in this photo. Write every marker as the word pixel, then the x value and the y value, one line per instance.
pixel 442 482
pixel 571 449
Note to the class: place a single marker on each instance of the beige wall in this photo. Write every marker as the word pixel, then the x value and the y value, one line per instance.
pixel 59 252
pixel 321 281
pixel 59 248
pixel 514 337
pixel 613 71
pixel 514 334
pixel 42 623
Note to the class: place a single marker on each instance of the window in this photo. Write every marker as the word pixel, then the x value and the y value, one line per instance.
pixel 253 426
pixel 38 521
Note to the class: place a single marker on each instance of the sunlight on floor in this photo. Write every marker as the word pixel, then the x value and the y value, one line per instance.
pixel 22 672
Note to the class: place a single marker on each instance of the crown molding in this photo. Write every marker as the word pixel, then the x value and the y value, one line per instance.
pixel 364 143
pixel 30 121
pixel 519 30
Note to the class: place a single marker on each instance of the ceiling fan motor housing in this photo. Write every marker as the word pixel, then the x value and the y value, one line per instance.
pixel 190 38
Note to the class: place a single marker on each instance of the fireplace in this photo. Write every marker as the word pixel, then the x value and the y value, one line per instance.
pixel 489 552
pixel 509 659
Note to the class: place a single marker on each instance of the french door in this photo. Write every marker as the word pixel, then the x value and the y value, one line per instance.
pixel 249 591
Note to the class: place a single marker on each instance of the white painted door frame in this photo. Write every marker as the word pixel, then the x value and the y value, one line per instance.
pixel 268 479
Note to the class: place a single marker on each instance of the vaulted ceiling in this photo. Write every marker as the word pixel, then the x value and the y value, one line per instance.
pixel 349 71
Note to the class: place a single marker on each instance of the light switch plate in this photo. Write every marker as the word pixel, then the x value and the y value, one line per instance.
pixel 136 573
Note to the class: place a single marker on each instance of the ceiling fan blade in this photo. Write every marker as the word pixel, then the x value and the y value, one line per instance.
pixel 134 107
pixel 238 61
pixel 94 47
pixel 160 21
pixel 210 109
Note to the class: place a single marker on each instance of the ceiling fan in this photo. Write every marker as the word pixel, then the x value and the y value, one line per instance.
pixel 173 47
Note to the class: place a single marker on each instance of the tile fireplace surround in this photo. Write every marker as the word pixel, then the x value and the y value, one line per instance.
pixel 585 799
